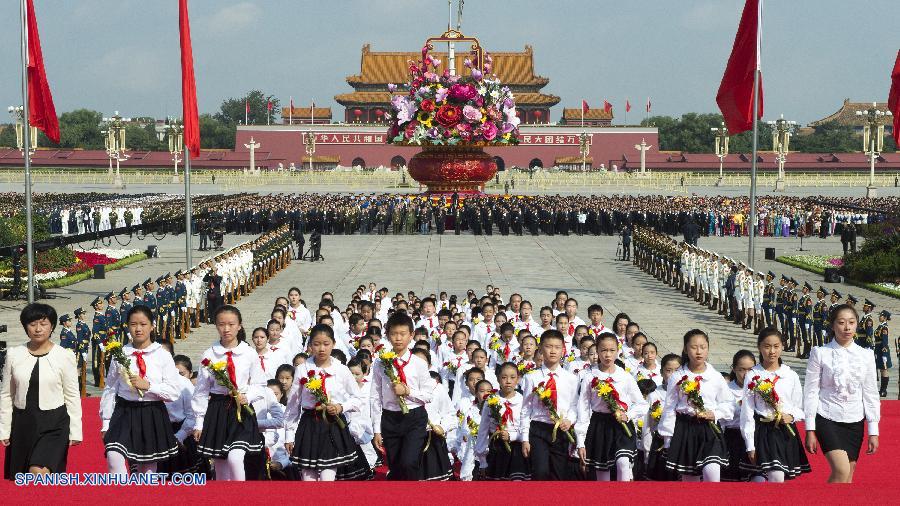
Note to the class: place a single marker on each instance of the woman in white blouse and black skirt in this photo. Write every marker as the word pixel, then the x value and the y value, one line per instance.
pixel 136 423
pixel 839 395
pixel 40 404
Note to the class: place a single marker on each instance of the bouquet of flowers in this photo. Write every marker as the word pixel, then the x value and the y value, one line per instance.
pixel 218 370
pixel 656 411
pixel 451 366
pixel 498 346
pixel 609 394
pixel 316 387
pixel 501 419
pixel 765 390
pixel 545 395
pixel 114 350
pixel 443 109
pixel 387 359
pixel 472 427
pixel 525 367
pixel 691 389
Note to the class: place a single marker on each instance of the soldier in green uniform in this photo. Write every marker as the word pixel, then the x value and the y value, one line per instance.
pixel 768 305
pixel 820 316
pixel 805 320
pixel 865 332
pixel 791 308
pixel 83 334
pixel 98 335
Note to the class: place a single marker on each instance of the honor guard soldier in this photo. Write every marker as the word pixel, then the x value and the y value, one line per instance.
pixel 150 297
pixel 181 304
pixel 124 309
pixel 865 335
pixel 883 350
pixel 98 335
pixel 138 299
pixel 113 319
pixel 805 319
pixel 791 308
pixel 83 333
pixel 780 305
pixel 768 302
pixel 820 317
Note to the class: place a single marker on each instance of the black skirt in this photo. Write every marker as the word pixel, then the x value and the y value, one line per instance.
pixel 140 431
pixel 37 438
pixel 737 457
pixel 695 444
pixel 436 459
pixel 507 465
pixel 187 460
pixel 222 432
pixel 777 450
pixel 321 444
pixel 656 461
pixel 847 436
pixel 357 470
pixel 606 441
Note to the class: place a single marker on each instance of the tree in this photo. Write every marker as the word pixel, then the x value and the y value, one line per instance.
pixel 7 136
pixel 81 129
pixel 214 134
pixel 233 109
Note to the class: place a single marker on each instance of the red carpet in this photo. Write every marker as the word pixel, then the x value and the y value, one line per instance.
pixel 876 480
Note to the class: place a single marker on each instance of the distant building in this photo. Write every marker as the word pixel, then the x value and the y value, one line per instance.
pixel 846 116
pixel 593 117
pixel 303 116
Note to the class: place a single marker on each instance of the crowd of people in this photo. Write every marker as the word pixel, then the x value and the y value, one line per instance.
pixel 178 302
pixel 757 300
pixel 418 382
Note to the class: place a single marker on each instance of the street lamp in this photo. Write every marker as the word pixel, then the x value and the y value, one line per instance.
pixel 873 142
pixel 175 133
pixel 584 148
pixel 721 134
pixel 781 139
pixel 309 139
pixel 115 143
pixel 17 112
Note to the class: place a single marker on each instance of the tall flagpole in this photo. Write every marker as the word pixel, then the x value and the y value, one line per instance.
pixel 188 235
pixel 583 155
pixel 751 254
pixel 26 145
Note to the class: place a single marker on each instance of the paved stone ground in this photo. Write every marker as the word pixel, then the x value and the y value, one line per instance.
pixel 533 266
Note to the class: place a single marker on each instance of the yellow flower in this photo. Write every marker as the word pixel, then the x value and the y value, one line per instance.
pixel 314 384
pixel 493 401
pixel 545 394
pixel 656 413
pixel 603 389
pixel 640 424
pixel 689 386
pixel 219 366
pixel 765 386
pixel 388 355
pixel 112 345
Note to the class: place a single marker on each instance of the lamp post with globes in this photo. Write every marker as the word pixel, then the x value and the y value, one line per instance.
pixel 175 133
pixel 115 143
pixel 17 112
pixel 781 139
pixel 721 134
pixel 873 142
pixel 309 139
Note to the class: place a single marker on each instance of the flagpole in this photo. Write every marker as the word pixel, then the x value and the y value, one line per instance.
pixel 626 112
pixel 188 234
pixel 291 112
pixel 26 145
pixel 751 254
pixel 583 154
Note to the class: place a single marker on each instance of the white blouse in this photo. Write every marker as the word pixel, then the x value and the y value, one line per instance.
pixel 441 411
pixel 716 395
pixel 338 383
pixel 160 372
pixel 488 425
pixel 180 409
pixel 251 380
pixel 790 394
pixel 735 421
pixel 589 401
pixel 840 386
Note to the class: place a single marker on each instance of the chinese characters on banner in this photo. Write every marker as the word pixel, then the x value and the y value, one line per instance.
pixel 524 140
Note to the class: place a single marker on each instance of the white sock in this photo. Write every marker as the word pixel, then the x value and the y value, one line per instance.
pixel 309 474
pixel 602 475
pixel 623 469
pixel 236 465
pixel 146 468
pixel 758 479
pixel 328 474
pixel 775 476
pixel 223 472
pixel 116 464
pixel 712 472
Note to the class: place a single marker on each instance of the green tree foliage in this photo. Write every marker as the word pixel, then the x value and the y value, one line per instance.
pixel 879 258
pixel 214 134
pixel 12 229
pixel 233 109
pixel 80 129
pixel 7 136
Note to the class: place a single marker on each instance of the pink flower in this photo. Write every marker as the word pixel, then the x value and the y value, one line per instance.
pixel 463 92
pixel 410 129
pixel 489 131
pixel 448 115
pixel 471 113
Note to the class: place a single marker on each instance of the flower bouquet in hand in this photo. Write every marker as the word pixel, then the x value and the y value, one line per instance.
pixel 316 387
pixel 219 371
pixel 691 390
pixel 115 352
pixel 609 394
pixel 546 397
pixel 502 419
pixel 388 362
pixel 765 390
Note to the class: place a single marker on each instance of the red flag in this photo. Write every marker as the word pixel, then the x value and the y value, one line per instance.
pixel 735 96
pixel 627 105
pixel 607 107
pixel 292 104
pixel 648 104
pixel 188 84
pixel 894 98
pixel 584 106
pixel 246 106
pixel 41 112
pixel 269 105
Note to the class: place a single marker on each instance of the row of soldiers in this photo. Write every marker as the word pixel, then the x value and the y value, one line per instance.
pixel 180 301
pixel 745 296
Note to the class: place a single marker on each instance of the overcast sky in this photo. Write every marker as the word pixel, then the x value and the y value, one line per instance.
pixel 123 54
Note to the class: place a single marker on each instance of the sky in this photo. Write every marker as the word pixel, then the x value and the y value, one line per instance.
pixel 123 55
